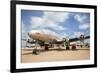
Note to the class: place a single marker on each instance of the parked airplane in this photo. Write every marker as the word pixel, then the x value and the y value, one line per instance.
pixel 48 38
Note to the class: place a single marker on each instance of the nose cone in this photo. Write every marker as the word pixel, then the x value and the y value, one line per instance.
pixel 30 34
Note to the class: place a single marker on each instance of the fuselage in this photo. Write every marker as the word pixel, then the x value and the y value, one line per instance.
pixel 44 35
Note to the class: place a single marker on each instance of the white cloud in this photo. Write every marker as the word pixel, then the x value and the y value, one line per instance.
pixel 51 20
pixel 60 28
pixel 56 16
pixel 77 34
pixel 84 26
pixel 80 18
pixel 64 35
pixel 36 21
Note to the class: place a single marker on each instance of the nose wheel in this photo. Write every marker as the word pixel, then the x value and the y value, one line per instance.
pixel 35 51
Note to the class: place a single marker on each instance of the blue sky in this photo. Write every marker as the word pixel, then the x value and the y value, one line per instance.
pixel 69 24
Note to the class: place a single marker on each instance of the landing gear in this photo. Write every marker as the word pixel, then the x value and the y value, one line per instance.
pixel 81 46
pixel 35 51
pixel 67 45
pixel 46 47
pixel 67 48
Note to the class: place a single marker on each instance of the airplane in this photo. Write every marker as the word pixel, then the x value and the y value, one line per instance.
pixel 47 38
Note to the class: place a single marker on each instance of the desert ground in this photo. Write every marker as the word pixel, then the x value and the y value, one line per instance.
pixel 54 54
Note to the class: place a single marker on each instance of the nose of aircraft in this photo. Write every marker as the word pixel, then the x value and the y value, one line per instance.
pixel 30 33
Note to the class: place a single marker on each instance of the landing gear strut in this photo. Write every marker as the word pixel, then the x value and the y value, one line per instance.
pixel 46 47
pixel 67 48
pixel 35 52
pixel 67 44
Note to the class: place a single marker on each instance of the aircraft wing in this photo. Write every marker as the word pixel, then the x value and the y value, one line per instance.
pixel 77 39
